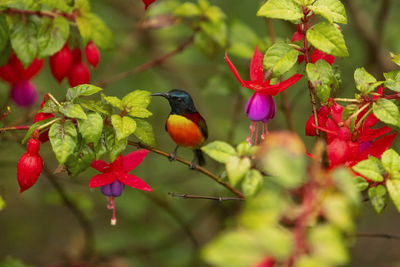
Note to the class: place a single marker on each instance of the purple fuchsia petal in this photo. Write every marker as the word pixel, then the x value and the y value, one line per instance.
pixel 133 159
pixel 134 181
pixel 256 66
pixel 113 190
pixel 102 179
pixel 100 165
pixel 24 93
pixel 260 107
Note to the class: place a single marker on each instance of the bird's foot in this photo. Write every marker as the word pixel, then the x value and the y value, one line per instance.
pixel 193 165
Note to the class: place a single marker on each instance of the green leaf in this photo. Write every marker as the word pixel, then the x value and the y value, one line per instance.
pixel 393 186
pixel 114 101
pixel 361 183
pixel 332 10
pixel 136 102
pixel 236 168
pixel 327 38
pixel 243 39
pixel 391 162
pixel 92 27
pixel 52 35
pixel 49 107
pixel 24 42
pixel 281 9
pixel 216 31
pixel 82 90
pixel 287 169
pixel 322 78
pixel 386 111
pixel 393 80
pixel 145 133
pixel 96 106
pixel 34 127
pixel 327 244
pixel 280 57
pixel 365 82
pixel 91 128
pixel 61 6
pixel 205 44
pixel 123 126
pixel 378 197
pixel 63 138
pixel 337 210
pixel 219 151
pixel 80 160
pixel 117 148
pixel 395 58
pixel 234 249
pixel 370 168
pixel 74 111
pixel 3 33
pixel 187 10
pixel 12 262
pixel 252 182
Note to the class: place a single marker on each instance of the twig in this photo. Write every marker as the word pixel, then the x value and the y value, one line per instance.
pixel 83 221
pixel 188 163
pixel 40 13
pixel 14 128
pixel 147 65
pixel 386 236
pixel 205 197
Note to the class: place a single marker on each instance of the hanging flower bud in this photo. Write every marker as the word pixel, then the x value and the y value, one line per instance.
pixel 29 165
pixel 8 74
pixel 77 55
pixel 61 63
pixel 24 93
pixel 79 74
pixel 92 54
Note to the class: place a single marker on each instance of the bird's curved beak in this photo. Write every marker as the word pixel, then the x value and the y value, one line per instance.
pixel 160 94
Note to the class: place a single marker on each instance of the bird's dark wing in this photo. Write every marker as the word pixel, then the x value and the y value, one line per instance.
pixel 199 120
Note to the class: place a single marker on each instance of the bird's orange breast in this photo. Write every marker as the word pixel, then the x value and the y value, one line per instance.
pixel 184 132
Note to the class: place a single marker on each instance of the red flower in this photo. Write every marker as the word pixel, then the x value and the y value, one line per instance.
pixel 115 175
pixel 261 106
pixel 349 148
pixel 317 55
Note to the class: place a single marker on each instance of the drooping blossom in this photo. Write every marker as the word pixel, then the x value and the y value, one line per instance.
pixel 261 105
pixel 348 148
pixel 30 164
pixel 61 63
pixel 24 93
pixel 115 176
pixel 92 54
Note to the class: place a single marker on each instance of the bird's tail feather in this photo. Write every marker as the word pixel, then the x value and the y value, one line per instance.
pixel 199 156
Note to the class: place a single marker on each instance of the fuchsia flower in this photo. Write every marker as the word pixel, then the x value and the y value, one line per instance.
pixel 349 148
pixel 261 105
pixel 115 176
pixel 147 3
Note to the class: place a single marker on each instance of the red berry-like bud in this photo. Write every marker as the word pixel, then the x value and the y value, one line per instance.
pixel 8 74
pixel 28 73
pixel 79 74
pixel 77 55
pixel 61 63
pixel 29 166
pixel 44 137
pixel 92 54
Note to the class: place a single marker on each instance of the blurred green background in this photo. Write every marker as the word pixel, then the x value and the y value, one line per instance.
pixel 155 229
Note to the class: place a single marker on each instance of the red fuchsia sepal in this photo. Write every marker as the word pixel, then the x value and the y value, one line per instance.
pixel 115 176
pixel 30 165
pixel 147 3
pixel 322 116
pixel 44 137
pixel 92 54
pixel 267 262
pixel 317 55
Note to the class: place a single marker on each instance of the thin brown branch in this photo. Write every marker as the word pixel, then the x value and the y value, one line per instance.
pixel 78 214
pixel 205 197
pixel 14 128
pixel 188 163
pixel 382 18
pixel 385 236
pixel 147 65
pixel 40 13
pixel 271 30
